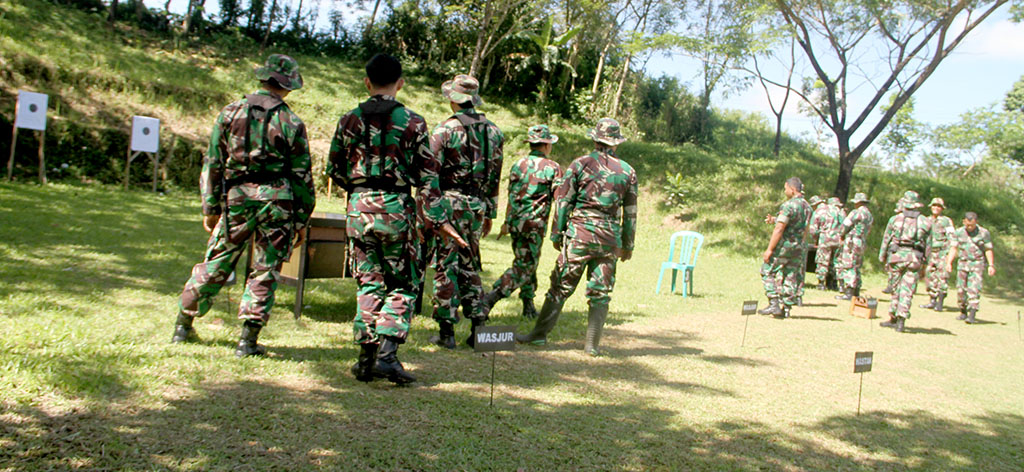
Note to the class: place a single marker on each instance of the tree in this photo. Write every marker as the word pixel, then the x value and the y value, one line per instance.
pixel 786 91
pixel 902 134
pixel 548 54
pixel 1015 97
pixel 499 20
pixel 836 36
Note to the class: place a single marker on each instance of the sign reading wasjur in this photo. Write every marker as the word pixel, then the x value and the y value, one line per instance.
pixel 495 338
pixel 862 362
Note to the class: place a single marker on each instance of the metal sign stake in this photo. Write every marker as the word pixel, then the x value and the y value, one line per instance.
pixel 860 392
pixel 746 321
pixel 14 143
pixel 494 357
pixel 42 158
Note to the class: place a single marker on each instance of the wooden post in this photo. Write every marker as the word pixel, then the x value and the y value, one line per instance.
pixel 127 167
pixel 42 158
pixel 156 160
pixel 14 142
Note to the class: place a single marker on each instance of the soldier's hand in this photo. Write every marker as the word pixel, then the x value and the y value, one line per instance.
pixel 949 268
pixel 210 222
pixel 557 245
pixel 991 270
pixel 766 256
pixel 300 236
pixel 625 255
pixel 769 219
pixel 503 231
pixel 448 232
pixel 486 229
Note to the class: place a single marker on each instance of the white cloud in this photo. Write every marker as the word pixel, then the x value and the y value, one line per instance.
pixel 999 40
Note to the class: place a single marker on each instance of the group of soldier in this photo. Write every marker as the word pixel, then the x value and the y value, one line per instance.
pixel 911 244
pixel 414 197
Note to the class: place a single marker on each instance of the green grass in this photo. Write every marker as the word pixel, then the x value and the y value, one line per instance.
pixel 89 381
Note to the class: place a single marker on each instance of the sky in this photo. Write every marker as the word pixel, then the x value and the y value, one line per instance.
pixel 979 73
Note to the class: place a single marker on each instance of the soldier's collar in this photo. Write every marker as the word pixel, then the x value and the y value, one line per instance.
pixel 381 96
pixel 467 111
pixel 537 153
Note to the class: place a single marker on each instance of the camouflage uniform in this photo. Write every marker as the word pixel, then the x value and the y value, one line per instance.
pixel 531 186
pixel 824 231
pixel 781 273
pixel 594 224
pixel 256 175
pixel 939 242
pixel 380 150
pixel 886 247
pixel 855 230
pixel 469 147
pixel 908 233
pixel 971 265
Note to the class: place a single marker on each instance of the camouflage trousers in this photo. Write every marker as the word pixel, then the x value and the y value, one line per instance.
pixel 383 260
pixel 969 283
pixel 935 272
pixel 781 277
pixel 849 263
pixel 457 270
pixel 598 260
pixel 270 226
pixel 522 275
pixel 890 275
pixel 824 261
pixel 906 274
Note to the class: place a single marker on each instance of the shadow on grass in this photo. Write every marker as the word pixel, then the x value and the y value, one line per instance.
pixel 288 426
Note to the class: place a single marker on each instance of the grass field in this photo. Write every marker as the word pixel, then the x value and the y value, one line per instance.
pixel 89 381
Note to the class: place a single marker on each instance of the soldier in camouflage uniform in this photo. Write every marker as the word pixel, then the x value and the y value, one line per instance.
pixel 885 249
pixel 855 230
pixel 255 181
pixel 531 187
pixel 470 149
pixel 973 245
pixel 939 242
pixel 908 234
pixel 594 224
pixel 785 254
pixel 824 232
pixel 379 152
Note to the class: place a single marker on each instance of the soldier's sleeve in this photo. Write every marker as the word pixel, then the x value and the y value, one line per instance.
pixel 436 209
pixel 848 223
pixel 629 211
pixel 438 140
pixel 492 188
pixel 511 203
pixel 565 198
pixel 212 175
pixel 814 227
pixel 337 158
pixel 302 184
pixel 886 238
pixel 986 240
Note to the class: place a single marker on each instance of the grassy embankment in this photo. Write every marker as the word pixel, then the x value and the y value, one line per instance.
pixel 90 276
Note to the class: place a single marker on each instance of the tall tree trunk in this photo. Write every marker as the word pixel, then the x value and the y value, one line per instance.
pixel 622 84
pixel 373 17
pixel 478 49
pixel 778 135
pixel 847 160
pixel 270 25
pixel 600 68
pixel 112 14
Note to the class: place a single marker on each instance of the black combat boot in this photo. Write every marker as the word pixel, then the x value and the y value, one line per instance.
pixel 388 365
pixel 546 320
pixel 773 307
pixel 595 325
pixel 446 335
pixel 529 312
pixel 887 290
pixel 889 324
pixel 471 340
pixel 930 305
pixel 183 330
pixel 856 291
pixel 363 368
pixel 970 316
pixel 247 343
pixel 963 313
pixel 783 312
pixel 846 295
pixel 939 301
pixel 488 300
pixel 900 324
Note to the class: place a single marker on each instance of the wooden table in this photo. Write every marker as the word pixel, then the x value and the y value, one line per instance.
pixel 322 255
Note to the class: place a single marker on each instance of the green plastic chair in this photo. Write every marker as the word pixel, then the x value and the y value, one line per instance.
pixel 689 247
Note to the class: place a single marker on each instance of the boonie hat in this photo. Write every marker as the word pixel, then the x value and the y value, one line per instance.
pixel 834 201
pixel 540 134
pixel 860 198
pixel 282 69
pixel 815 200
pixel 938 201
pixel 461 89
pixel 607 131
pixel 911 200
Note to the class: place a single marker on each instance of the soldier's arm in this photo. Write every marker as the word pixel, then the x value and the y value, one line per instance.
pixel 565 197
pixel 337 158
pixel 212 175
pixel 513 177
pixel 989 255
pixel 629 211
pixel 493 186
pixel 302 184
pixel 437 210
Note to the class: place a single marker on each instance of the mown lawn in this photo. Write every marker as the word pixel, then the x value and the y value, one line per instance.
pixel 88 381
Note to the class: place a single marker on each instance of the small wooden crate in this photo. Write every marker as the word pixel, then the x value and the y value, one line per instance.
pixel 863 307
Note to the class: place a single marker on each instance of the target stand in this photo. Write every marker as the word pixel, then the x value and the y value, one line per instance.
pixel 145 140
pixel 30 113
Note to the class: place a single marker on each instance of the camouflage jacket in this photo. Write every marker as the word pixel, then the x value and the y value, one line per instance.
pixel 905 237
pixel 258 151
pixel 531 186
pixel 826 223
pixel 971 247
pixel 379 166
pixel 794 213
pixel 941 236
pixel 470 164
pixel 596 202
pixel 857 224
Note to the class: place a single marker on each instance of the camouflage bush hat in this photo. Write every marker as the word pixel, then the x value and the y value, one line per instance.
pixel 461 89
pixel 540 134
pixel 283 69
pixel 607 131
pixel 938 201
pixel 911 200
pixel 860 198
pixel 815 200
pixel 834 201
